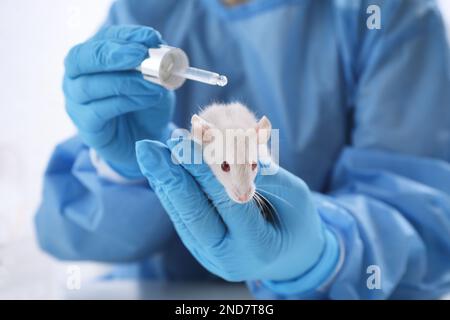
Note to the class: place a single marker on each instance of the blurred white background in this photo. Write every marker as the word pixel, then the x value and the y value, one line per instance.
pixel 35 36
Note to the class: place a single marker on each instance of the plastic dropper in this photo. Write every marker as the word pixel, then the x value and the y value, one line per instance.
pixel 204 76
pixel 169 67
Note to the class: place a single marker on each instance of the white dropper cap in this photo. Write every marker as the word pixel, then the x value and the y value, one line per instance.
pixel 169 67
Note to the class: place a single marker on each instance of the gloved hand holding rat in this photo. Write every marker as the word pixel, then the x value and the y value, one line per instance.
pixel 217 208
pixel 109 102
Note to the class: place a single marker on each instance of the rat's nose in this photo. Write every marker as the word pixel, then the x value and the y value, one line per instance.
pixel 243 198
pixel 246 196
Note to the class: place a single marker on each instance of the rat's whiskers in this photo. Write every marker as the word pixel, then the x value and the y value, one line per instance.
pixel 266 208
pixel 278 197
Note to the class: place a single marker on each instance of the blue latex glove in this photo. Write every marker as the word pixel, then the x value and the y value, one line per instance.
pixel 234 241
pixel 111 105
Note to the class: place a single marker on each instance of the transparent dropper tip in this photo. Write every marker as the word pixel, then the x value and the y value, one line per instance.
pixel 203 76
pixel 222 81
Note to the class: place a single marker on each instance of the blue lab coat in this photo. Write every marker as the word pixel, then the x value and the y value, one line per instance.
pixel 364 119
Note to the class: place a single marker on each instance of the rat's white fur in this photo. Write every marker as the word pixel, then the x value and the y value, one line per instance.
pixel 239 181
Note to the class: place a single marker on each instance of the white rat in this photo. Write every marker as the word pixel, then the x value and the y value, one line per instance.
pixel 237 177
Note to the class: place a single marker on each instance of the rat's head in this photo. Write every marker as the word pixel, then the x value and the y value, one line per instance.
pixel 232 154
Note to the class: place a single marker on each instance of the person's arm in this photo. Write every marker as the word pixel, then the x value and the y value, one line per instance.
pixel 86 217
pixel 389 197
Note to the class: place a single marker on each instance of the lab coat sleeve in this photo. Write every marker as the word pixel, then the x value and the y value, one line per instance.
pixel 85 217
pixel 389 194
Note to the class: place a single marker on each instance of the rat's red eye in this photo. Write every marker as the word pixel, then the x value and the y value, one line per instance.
pixel 254 165
pixel 225 166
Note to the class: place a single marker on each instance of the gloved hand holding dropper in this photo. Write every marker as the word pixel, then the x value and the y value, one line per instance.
pixel 110 103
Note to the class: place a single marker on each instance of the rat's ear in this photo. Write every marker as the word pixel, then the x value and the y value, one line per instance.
pixel 201 129
pixel 263 130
